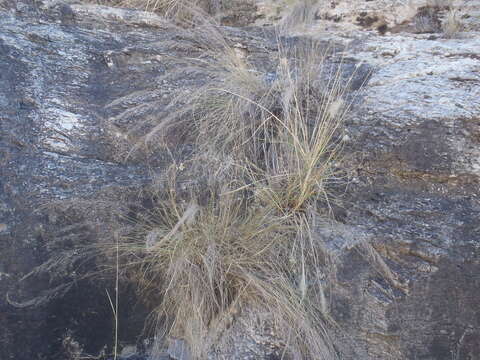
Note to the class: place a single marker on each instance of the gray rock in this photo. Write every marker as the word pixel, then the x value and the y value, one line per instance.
pixel 75 79
pixel 406 236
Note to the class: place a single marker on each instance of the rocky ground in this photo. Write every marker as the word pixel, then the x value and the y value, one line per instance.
pixel 405 237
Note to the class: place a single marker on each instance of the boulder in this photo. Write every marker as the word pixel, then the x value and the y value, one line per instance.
pixel 81 83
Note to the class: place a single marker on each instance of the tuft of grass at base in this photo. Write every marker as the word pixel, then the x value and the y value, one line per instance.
pixel 205 262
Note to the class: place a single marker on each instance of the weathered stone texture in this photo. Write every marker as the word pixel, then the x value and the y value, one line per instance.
pixel 406 234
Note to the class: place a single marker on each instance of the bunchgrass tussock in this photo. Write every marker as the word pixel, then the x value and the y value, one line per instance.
pixel 203 261
pixel 452 24
pixel 304 145
pixel 244 238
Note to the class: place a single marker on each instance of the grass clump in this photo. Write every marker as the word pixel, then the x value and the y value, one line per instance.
pixel 299 13
pixel 290 14
pixel 242 238
pixel 452 25
pixel 281 128
pixel 299 160
pixel 207 262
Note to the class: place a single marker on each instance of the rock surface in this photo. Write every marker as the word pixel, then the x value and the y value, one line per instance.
pixel 406 235
pixel 350 16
